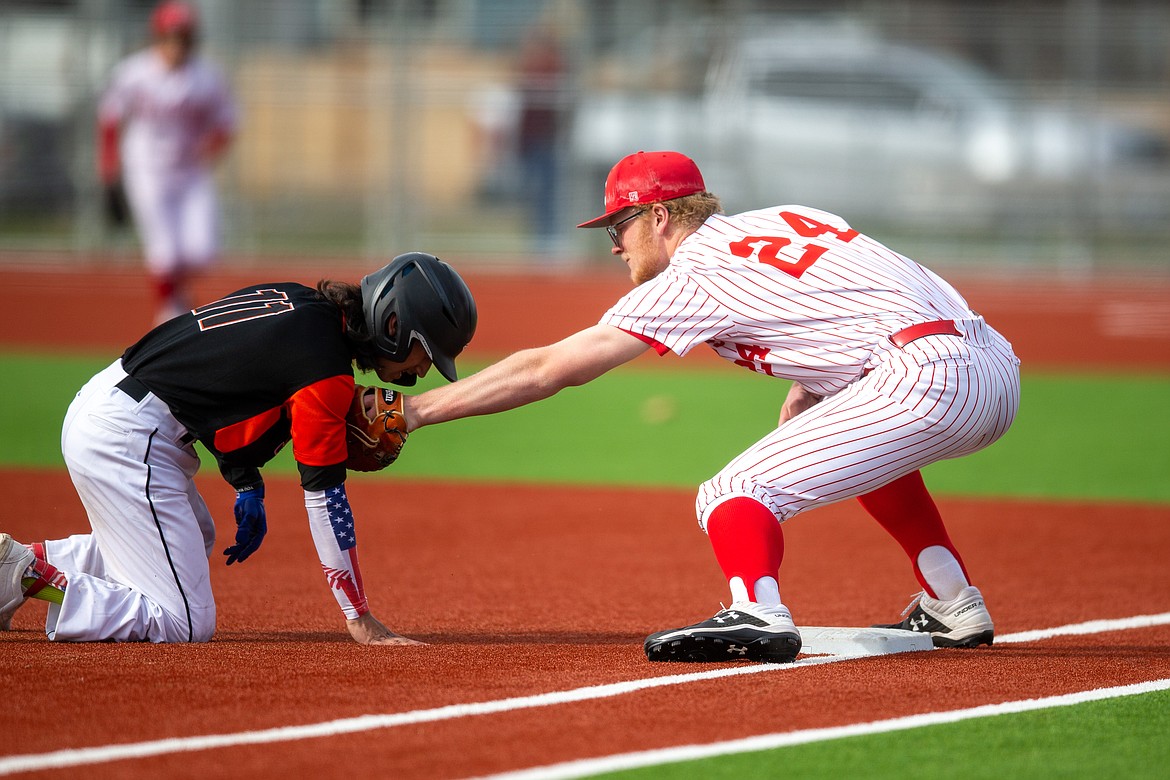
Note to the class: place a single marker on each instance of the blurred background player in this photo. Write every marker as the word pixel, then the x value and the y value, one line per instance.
pixel 265 366
pixel 543 81
pixel 165 119
pixel 890 369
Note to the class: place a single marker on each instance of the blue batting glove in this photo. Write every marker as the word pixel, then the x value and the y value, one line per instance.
pixel 251 524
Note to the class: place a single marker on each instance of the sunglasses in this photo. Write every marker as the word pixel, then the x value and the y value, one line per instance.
pixel 613 229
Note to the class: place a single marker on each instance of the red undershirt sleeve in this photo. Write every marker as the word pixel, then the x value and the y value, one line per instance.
pixel 109 164
pixel 659 347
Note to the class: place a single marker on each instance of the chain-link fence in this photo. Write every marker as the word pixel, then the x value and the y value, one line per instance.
pixel 1031 133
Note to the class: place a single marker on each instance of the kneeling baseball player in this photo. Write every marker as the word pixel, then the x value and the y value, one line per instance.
pixel 890 369
pixel 245 375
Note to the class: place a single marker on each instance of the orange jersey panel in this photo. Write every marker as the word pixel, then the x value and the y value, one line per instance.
pixel 318 421
pixel 316 414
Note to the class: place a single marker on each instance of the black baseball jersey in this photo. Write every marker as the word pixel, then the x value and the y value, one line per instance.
pixel 250 372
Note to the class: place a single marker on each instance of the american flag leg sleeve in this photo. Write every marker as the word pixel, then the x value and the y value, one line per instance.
pixel 332 524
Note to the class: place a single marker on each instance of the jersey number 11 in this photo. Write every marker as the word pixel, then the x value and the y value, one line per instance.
pixel 243 307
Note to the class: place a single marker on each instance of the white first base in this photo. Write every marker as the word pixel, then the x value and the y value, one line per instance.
pixel 819 640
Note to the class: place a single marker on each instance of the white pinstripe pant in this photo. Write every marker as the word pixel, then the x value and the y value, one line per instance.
pixel 938 397
pixel 177 215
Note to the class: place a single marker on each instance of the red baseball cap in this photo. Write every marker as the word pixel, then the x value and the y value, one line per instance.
pixel 173 18
pixel 647 177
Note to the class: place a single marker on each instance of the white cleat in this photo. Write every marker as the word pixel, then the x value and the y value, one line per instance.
pixel 961 622
pixel 15 559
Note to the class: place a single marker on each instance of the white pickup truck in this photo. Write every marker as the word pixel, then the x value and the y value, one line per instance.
pixel 861 126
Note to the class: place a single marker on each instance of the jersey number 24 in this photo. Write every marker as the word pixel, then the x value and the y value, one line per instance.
pixel 770 247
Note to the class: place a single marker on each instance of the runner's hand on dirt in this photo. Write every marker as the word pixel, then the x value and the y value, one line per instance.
pixel 368 630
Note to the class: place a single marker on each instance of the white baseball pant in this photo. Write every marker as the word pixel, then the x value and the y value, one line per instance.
pixel 142 574
pixel 938 397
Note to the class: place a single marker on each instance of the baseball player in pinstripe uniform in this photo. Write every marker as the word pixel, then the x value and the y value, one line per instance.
pixel 890 370
pixel 164 121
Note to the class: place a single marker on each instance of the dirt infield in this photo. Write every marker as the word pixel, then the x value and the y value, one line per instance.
pixel 527 590
pixel 523 590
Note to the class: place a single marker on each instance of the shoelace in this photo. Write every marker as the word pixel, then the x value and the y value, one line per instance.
pixel 914 602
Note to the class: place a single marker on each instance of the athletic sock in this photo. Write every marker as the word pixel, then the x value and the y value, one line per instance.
pixel 749 546
pixel 905 509
pixel 42 580
pixel 35 589
pixel 164 288
pixel 941 569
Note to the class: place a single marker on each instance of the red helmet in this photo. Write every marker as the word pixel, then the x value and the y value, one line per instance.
pixel 173 18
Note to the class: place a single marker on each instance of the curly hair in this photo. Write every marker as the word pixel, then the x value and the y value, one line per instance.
pixel 348 298
pixel 691 211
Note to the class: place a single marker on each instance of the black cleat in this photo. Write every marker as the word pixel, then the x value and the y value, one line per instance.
pixel 745 631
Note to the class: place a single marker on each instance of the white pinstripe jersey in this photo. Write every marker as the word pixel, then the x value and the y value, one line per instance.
pixel 167 112
pixel 789 291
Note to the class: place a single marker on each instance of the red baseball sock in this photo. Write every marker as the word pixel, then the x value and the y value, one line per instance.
pixel 165 287
pixel 747 540
pixel 905 509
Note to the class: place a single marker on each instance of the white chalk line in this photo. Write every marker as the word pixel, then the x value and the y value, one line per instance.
pixel 626 761
pixel 1090 627
pixel 94 755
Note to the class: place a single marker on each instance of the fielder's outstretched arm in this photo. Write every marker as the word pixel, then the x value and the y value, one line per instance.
pixel 526 376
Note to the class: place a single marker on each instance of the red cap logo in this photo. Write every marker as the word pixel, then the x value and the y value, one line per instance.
pixel 647 177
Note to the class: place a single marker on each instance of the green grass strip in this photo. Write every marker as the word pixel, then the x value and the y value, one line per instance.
pixel 1077 437
pixel 1123 737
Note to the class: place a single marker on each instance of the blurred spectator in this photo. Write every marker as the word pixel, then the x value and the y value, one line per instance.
pixel 494 111
pixel 542 88
pixel 165 119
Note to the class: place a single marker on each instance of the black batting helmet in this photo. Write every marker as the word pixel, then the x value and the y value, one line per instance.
pixel 432 305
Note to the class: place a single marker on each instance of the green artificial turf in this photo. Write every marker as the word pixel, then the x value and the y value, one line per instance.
pixel 1077 437
pixel 1124 737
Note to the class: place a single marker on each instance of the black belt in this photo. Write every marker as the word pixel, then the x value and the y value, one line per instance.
pixel 133 388
pixel 934 328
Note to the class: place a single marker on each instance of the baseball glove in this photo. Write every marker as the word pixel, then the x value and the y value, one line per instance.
pixel 373 439
pixel 114 204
